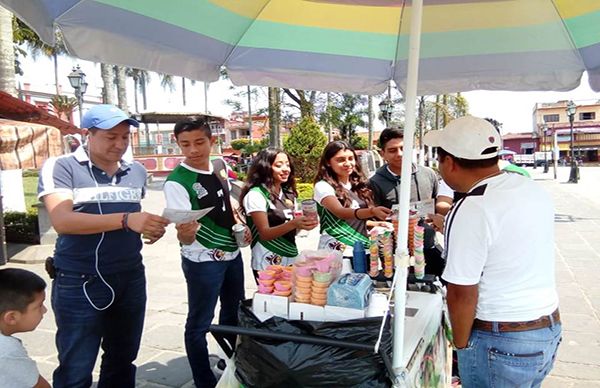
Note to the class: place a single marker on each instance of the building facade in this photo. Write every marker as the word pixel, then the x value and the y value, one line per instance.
pixel 551 120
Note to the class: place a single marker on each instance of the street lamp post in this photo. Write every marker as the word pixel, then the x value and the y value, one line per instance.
pixel 571 109
pixel 385 106
pixel 545 128
pixel 535 137
pixel 77 81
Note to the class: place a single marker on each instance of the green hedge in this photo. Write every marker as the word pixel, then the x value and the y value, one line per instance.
pixel 30 173
pixel 21 227
pixel 305 190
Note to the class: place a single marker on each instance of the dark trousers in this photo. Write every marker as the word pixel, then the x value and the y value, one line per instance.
pixel 82 330
pixel 207 282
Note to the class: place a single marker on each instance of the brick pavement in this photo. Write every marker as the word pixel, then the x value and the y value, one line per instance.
pixel 162 361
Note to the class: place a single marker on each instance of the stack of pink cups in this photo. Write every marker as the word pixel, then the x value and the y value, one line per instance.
pixel 275 279
pixel 266 279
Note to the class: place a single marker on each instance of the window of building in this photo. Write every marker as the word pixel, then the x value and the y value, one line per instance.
pixel 587 115
pixel 551 118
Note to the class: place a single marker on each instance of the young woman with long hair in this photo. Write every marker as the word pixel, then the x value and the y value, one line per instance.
pixel 268 198
pixel 345 201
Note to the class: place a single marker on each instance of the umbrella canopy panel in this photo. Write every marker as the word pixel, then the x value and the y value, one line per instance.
pixel 355 46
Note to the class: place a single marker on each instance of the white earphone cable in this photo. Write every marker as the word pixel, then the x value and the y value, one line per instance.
pixel 97 256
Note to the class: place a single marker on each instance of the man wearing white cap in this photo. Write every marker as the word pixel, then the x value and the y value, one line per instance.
pixel 93 197
pixel 500 262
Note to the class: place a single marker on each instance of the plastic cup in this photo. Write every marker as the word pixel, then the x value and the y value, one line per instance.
pixel 309 209
pixel 239 232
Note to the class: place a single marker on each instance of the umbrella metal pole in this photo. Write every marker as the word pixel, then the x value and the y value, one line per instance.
pixel 555 153
pixel 401 260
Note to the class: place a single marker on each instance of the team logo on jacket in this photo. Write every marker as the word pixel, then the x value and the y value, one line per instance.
pixel 337 246
pixel 217 255
pixel 201 192
pixel 274 259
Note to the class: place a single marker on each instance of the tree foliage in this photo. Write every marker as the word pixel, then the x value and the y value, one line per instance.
pixel 247 148
pixel 348 112
pixel 305 144
pixel 63 106
pixel 359 142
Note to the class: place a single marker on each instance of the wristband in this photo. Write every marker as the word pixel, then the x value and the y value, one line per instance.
pixel 356 213
pixel 124 222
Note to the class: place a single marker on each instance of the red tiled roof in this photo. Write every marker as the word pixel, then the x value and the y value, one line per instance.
pixel 13 108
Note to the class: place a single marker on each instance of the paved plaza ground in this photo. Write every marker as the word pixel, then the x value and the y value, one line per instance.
pixel 162 361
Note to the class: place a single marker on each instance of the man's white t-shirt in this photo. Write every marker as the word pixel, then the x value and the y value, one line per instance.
pixel 17 369
pixel 444 190
pixel 503 240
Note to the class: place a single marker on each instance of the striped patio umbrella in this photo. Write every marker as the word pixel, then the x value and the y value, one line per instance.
pixel 335 45
pixel 356 46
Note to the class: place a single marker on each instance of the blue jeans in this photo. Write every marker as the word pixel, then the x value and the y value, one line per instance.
pixel 207 282
pixel 82 330
pixel 508 359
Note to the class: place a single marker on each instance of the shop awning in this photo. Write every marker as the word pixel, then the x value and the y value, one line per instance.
pixel 12 108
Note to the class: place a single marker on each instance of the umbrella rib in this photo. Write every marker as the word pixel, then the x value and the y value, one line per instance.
pixel 67 10
pixel 566 29
pixel 244 33
pixel 398 39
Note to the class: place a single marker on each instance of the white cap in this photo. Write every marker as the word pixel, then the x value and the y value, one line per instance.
pixel 467 137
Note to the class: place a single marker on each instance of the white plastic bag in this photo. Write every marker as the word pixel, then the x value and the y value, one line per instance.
pixel 228 379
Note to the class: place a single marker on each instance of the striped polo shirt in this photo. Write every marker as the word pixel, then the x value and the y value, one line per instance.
pixel 94 192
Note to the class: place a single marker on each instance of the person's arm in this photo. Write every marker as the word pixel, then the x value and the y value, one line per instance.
pixel 177 197
pixel 66 221
pixel 42 383
pixel 255 205
pixel 437 221
pixel 462 303
pixel 267 232
pixel 444 199
pixel 332 204
pixel 443 204
pixel 324 194
pixel 468 239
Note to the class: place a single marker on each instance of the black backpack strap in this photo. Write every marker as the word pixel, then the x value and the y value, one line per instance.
pixel 220 170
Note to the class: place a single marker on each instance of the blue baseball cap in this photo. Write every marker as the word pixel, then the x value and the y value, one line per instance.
pixel 105 117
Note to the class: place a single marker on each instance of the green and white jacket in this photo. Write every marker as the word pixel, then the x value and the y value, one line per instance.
pixel 282 250
pixel 188 188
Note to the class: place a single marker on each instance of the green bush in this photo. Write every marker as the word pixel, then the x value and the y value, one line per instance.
pixel 360 143
pixel 239 144
pixel 305 191
pixel 31 173
pixel 22 227
pixel 305 145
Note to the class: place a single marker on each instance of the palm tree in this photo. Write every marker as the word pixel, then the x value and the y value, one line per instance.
pixel 140 80
pixel 23 34
pixel 63 106
pixel 167 82
pixel 108 80
pixel 121 78
pixel 7 53
pixel 275 116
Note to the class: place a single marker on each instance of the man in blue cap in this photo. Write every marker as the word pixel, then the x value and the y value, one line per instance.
pixel 93 197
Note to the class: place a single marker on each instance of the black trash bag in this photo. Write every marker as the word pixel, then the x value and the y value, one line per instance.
pixel 268 363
